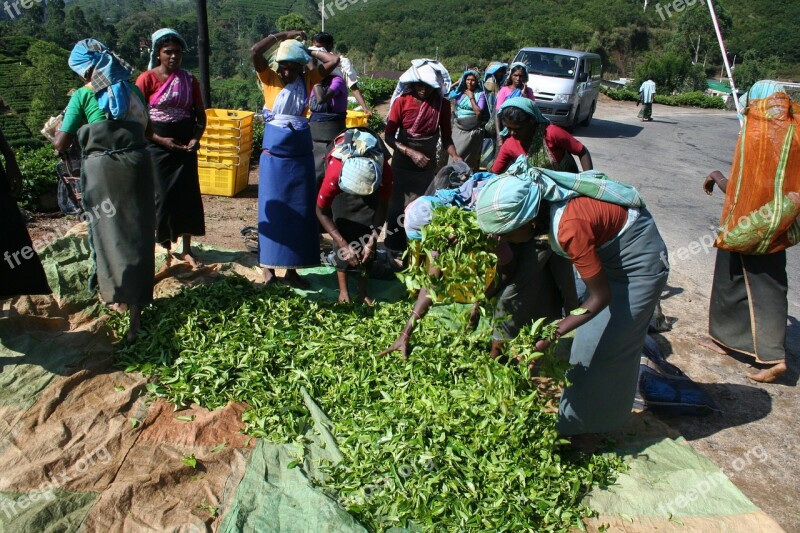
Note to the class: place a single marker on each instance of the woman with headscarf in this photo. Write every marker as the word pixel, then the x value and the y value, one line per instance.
pixel 529 133
pixel 179 118
pixel 288 231
pixel 748 310
pixel 418 117
pixel 352 204
pixel 21 271
pixel 109 117
pixel 603 227
pixel 469 102
pixel 516 86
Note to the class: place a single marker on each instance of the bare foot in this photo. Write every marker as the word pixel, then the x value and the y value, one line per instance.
pixel 118 307
pixel 708 343
pixel 269 276
pixel 769 375
pixel 293 279
pixel 190 258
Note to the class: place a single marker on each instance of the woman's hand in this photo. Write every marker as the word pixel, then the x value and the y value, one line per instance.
pixel 349 255
pixel 169 143
pixel 418 158
pixel 193 145
pixel 708 185
pixel 542 345
pixel 469 94
pixel 368 253
pixel 400 345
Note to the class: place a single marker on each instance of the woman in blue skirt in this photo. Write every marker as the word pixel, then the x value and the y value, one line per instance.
pixel 288 235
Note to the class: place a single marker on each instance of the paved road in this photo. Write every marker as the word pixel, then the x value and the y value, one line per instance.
pixel 667 160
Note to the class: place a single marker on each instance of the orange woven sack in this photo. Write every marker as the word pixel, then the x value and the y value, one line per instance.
pixel 758 217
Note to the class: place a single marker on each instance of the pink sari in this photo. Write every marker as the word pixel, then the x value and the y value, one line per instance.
pixel 172 102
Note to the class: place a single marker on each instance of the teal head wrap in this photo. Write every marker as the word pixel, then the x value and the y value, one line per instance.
pixel 528 106
pixel 510 200
pixel 160 34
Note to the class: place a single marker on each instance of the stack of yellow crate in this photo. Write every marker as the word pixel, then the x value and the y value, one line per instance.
pixel 223 161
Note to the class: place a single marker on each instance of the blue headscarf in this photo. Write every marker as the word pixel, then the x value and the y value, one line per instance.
pixel 458 90
pixel 510 200
pixel 110 76
pixel 159 34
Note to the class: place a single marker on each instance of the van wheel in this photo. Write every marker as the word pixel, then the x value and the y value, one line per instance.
pixel 588 119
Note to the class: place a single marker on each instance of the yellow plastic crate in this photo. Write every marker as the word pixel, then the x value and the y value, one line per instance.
pixel 222 122
pixel 356 118
pixel 228 158
pixel 222 179
pixel 227 143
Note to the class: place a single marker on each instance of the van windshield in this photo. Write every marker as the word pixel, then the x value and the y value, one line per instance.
pixel 548 64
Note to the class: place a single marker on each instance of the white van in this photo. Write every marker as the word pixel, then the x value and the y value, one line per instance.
pixel 565 83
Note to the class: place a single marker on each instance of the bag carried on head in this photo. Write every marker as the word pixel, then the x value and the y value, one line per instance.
pixel 362 162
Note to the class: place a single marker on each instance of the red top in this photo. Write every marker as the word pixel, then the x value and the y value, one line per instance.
pixel 404 112
pixel 148 83
pixel 586 224
pixel 557 139
pixel 330 185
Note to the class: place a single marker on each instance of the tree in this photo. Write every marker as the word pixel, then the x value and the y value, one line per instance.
pixel 76 27
pixel 54 23
pixel 695 33
pixel 754 68
pixel 293 21
pixel 50 80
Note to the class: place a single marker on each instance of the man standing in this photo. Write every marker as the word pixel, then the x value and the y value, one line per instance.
pixel 646 94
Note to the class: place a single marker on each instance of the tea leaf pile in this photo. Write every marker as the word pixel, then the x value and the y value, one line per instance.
pixel 448 439
pixel 454 243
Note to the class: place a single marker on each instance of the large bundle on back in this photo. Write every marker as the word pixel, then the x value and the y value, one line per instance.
pixel 759 218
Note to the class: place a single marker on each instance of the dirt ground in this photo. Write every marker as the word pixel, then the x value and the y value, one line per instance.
pixel 754 440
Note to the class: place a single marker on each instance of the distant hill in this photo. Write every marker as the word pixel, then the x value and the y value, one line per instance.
pixel 389 33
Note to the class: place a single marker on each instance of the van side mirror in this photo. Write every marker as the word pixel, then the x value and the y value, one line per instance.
pixel 583 76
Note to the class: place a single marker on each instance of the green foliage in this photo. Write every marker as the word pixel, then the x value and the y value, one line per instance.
pixel 258 137
pixel 376 90
pixel 293 21
pixel 672 72
pixel 236 93
pixel 754 68
pixel 447 439
pixel 695 98
pixel 453 244
pixel 39 176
